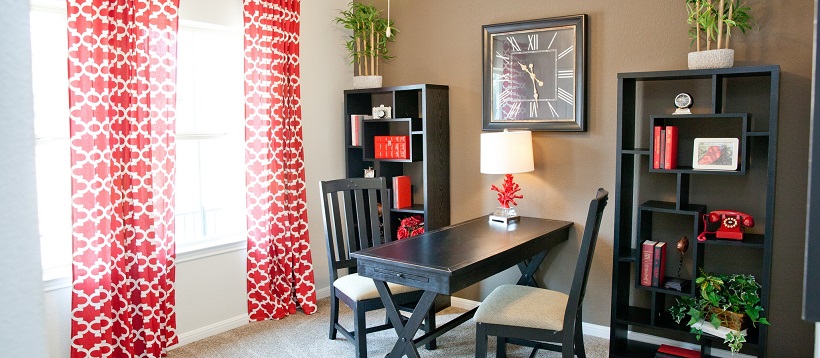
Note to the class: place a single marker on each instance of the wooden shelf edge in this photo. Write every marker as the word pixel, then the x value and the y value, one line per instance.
pixel 671 208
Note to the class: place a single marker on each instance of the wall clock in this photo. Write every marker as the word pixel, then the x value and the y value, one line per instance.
pixel 534 74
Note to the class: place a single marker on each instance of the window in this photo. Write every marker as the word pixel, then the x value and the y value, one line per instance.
pixel 210 190
pixel 210 162
pixel 49 84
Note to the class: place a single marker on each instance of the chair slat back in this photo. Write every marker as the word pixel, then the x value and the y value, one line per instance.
pixel 351 217
pixel 590 238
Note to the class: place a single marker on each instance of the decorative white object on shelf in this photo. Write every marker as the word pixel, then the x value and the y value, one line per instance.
pixel 717 332
pixel 722 58
pixel 360 82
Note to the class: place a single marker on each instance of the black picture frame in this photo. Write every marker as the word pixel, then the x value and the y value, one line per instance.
pixel 570 119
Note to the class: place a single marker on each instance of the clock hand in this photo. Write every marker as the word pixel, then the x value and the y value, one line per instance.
pixel 529 70
pixel 532 73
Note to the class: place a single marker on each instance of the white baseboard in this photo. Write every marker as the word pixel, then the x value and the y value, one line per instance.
pixel 322 293
pixel 212 329
pixel 227 325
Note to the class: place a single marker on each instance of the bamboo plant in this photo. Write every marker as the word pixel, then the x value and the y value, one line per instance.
pixel 709 17
pixel 367 46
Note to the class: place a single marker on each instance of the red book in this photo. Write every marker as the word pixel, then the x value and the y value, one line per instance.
pixel 647 252
pixel 355 129
pixel 391 147
pixel 678 351
pixel 662 164
pixel 402 195
pixel 658 264
pixel 656 150
pixel 671 148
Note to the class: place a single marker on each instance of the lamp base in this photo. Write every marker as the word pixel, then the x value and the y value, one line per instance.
pixel 504 215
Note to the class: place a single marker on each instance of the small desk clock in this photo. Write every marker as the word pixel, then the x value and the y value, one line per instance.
pixel 683 101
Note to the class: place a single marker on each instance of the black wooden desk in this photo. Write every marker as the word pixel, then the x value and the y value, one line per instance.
pixel 451 258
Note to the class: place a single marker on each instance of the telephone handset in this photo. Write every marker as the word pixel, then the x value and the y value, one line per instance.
pixel 731 224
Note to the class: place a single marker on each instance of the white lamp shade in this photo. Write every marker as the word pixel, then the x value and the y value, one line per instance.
pixel 506 152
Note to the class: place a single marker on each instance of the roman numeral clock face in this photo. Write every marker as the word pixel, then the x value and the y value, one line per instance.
pixel 533 75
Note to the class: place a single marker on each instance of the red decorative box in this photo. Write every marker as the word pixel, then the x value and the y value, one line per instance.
pixel 392 147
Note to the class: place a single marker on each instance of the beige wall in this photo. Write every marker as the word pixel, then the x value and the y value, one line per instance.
pixel 440 42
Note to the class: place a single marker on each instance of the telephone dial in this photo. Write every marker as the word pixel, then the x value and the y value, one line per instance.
pixel 731 224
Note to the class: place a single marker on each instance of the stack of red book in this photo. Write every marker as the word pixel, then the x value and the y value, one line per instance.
pixel 665 151
pixel 392 147
pixel 653 263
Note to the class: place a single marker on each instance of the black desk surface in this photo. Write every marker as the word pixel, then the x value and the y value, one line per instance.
pixel 451 258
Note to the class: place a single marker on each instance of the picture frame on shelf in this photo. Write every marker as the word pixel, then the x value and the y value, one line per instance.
pixel 715 153
pixel 534 74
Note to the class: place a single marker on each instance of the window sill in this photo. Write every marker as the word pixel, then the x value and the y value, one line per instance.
pixel 211 249
pixel 60 278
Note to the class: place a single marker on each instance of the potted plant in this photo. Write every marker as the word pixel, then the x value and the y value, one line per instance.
pixel 367 46
pixel 712 22
pixel 730 301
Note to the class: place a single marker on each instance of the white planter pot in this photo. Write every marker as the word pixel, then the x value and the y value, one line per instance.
pixel 360 82
pixel 723 58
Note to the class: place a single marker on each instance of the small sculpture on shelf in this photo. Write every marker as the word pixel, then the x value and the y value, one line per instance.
pixel 677 283
pixel 683 246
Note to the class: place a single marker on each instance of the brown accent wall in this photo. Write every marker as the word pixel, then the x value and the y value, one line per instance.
pixel 440 42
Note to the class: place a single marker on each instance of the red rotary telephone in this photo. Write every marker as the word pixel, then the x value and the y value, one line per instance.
pixel 731 224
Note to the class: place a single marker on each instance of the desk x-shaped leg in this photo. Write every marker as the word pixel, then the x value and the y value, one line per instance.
pixel 405 331
pixel 528 268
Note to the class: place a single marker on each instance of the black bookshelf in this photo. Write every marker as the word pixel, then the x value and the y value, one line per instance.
pixel 666 204
pixel 422 113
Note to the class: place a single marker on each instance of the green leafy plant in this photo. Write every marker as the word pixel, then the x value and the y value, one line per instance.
pixel 708 18
pixel 371 33
pixel 733 293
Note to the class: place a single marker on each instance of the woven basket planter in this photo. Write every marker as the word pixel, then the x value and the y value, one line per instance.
pixel 732 320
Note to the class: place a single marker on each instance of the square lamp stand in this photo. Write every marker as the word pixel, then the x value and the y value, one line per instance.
pixel 505 216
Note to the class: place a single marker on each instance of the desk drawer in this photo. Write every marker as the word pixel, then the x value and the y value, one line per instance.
pixel 422 279
pixel 404 278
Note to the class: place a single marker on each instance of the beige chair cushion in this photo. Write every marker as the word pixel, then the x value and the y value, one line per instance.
pixel 361 288
pixel 523 306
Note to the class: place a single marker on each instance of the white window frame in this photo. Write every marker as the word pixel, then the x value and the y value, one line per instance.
pixel 59 277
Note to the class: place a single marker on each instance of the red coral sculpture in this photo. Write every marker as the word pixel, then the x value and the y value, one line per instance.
pixel 410 226
pixel 508 194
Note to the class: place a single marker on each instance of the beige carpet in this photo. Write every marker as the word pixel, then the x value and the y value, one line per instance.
pixel 301 335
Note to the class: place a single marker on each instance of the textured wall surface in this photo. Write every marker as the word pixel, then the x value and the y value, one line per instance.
pixel 440 42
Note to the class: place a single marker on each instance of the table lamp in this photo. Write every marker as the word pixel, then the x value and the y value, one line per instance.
pixel 506 153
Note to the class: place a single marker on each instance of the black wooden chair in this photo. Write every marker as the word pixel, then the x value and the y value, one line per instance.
pixel 537 317
pixel 352 222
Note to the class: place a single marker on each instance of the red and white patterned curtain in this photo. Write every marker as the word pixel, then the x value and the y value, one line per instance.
pixel 121 68
pixel 280 271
